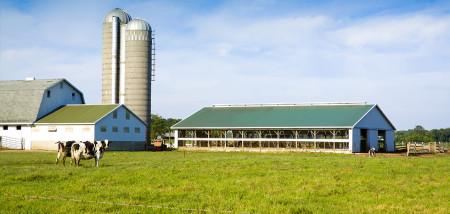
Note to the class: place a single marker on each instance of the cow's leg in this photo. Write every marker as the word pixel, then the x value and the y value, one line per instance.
pixel 78 161
pixel 64 160
pixel 57 158
pixel 96 161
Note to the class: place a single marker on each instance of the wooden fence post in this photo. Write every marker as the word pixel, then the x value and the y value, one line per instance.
pixel 407 149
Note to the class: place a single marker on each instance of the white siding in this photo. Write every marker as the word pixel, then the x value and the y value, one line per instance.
pixel 24 133
pixel 121 122
pixel 42 138
pixel 63 134
pixel 59 96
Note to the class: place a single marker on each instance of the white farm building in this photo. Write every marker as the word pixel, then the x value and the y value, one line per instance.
pixel 114 122
pixel 330 127
pixel 34 114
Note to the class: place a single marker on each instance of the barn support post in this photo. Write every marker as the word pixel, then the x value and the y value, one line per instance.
pixel 242 137
pixel 208 133
pixel 260 136
pixel 225 135
pixel 314 137
pixel 278 139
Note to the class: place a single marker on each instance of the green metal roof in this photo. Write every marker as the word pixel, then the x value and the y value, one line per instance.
pixel 275 117
pixel 78 114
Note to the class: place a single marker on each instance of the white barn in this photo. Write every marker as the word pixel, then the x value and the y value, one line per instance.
pixel 25 101
pixel 34 114
pixel 114 122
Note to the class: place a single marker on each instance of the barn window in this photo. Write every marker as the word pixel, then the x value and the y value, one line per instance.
pixel 86 129
pixel 115 114
pixel 18 127
pixel 61 85
pixel 52 129
pixel 48 93
pixel 103 128
pixel 5 127
pixel 137 130
pixel 69 129
pixel 127 115
pixel 73 96
pixel 126 129
pixel 115 129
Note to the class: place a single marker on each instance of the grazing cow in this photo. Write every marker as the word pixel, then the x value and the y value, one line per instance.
pixel 64 150
pixel 87 150
pixel 372 152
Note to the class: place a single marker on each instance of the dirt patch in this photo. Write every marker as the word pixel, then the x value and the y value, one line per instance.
pixel 25 151
pixel 403 154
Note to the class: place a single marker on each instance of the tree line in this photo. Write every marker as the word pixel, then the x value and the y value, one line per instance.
pixel 420 134
pixel 161 126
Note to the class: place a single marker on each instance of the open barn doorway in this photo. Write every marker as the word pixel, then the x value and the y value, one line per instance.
pixel 364 142
pixel 381 141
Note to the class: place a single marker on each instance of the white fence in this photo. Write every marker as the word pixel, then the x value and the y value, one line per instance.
pixel 11 143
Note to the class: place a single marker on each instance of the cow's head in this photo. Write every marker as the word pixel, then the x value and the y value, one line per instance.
pixel 105 143
pixel 101 146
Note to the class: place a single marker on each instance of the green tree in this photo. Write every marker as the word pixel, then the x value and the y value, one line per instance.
pixel 160 126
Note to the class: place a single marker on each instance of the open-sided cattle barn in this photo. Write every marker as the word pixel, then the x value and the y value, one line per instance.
pixel 326 127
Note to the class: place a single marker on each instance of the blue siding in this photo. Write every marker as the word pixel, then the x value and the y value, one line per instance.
pixel 356 136
pixel 390 146
pixel 372 137
pixel 374 119
pixel 120 122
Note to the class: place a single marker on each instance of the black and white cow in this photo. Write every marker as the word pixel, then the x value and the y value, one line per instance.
pixel 87 150
pixel 64 150
pixel 372 152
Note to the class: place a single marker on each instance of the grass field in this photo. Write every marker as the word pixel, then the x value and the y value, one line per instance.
pixel 216 181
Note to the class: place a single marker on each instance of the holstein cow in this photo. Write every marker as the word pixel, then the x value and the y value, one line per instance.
pixel 87 150
pixel 64 150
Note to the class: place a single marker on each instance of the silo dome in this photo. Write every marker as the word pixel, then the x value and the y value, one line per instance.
pixel 138 24
pixel 123 16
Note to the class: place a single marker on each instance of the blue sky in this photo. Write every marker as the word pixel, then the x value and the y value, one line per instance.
pixel 391 53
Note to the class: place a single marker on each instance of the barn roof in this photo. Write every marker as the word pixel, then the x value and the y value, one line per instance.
pixel 20 100
pixel 84 114
pixel 293 116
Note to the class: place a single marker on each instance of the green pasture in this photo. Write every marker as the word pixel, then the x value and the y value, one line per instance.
pixel 197 182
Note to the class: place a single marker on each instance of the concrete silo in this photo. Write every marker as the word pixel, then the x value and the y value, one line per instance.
pixel 128 63
pixel 138 69
pixel 114 24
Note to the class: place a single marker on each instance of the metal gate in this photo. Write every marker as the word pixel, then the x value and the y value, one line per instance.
pixel 11 143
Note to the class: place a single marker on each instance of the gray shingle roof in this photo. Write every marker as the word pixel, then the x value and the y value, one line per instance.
pixel 20 99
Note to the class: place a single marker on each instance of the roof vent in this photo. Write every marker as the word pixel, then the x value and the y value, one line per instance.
pixel 30 78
